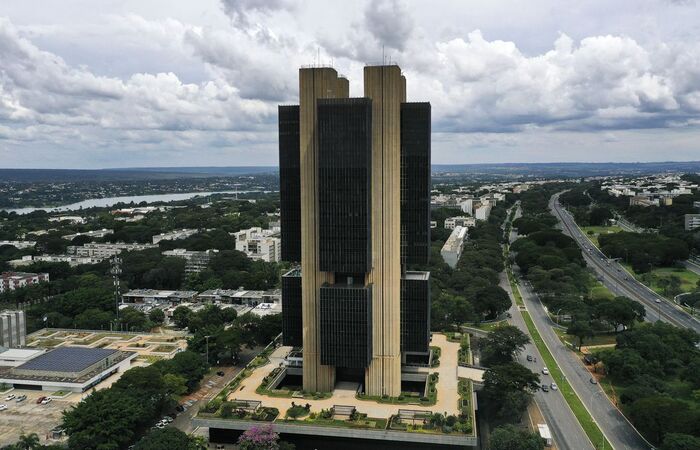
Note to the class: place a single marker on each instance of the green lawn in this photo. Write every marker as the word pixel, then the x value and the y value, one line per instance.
pixel 655 279
pixel 579 410
pixel 600 292
pixel 594 232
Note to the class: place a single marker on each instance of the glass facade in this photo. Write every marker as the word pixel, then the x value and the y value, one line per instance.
pixel 346 325
pixel 344 177
pixel 290 182
pixel 415 312
pixel 415 183
pixel 291 309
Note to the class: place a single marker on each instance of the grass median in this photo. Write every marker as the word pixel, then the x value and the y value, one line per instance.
pixel 584 418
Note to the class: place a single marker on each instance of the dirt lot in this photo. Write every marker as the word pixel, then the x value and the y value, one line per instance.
pixel 28 417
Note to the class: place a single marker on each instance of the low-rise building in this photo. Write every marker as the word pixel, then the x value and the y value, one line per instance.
pixel 94 234
pixel 195 261
pixel 140 296
pixel 13 357
pixel 452 250
pixel 20 245
pixel 174 235
pixel 75 220
pixel 460 221
pixel 692 221
pixel 74 369
pixel 9 281
pixel 104 251
pixel 259 244
pixel 71 260
pixel 241 296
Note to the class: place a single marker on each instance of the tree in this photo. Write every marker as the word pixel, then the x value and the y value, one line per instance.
pixel 175 384
pixel 492 301
pixel 509 437
pixel 508 390
pixel 169 438
pixel 581 329
pixel 656 416
pixel 181 316
pixel 676 441
pixel 259 438
pixel 156 316
pixel 502 344
pixel 28 442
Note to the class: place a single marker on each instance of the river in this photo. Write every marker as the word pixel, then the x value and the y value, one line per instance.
pixel 109 201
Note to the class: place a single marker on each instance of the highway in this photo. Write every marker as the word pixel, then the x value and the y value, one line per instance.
pixel 618 280
pixel 566 431
pixel 621 434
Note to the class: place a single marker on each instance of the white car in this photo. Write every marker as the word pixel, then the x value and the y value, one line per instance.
pixel 545 371
pixel 46 401
pixel 657 300
pixel 554 386
pixel 9 397
pixel 3 407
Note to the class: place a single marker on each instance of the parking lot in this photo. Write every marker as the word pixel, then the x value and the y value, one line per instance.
pixel 29 417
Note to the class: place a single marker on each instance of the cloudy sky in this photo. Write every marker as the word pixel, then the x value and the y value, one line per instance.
pixel 122 83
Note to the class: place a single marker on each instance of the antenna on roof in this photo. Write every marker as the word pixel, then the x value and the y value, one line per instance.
pixel 383 57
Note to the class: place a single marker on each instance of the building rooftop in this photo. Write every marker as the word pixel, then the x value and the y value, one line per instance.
pixel 19 353
pixel 67 359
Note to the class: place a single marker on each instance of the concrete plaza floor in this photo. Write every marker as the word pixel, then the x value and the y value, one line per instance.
pixel 344 393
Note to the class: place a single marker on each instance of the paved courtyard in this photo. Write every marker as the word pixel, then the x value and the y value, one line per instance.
pixel 344 394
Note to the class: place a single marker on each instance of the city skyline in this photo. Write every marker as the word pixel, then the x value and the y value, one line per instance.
pixel 197 84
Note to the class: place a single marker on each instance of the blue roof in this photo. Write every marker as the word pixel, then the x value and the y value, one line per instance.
pixel 67 359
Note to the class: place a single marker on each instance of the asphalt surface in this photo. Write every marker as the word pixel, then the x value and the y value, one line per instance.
pixel 618 280
pixel 619 432
pixel 566 431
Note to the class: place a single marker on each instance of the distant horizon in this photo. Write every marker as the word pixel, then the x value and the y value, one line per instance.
pixel 137 168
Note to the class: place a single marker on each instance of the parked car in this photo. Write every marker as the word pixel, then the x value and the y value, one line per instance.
pixel 594 381
pixel 3 407
pixel 46 400
pixel 21 398
pixel 40 399
pixel 554 386
pixel 545 371
pixel 179 408
pixel 220 373
pixel 9 397
pixel 529 357
pixel 545 388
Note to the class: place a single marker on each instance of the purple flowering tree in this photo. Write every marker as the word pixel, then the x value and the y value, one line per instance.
pixel 259 438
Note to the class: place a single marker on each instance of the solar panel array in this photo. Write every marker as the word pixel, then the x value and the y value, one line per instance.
pixel 67 359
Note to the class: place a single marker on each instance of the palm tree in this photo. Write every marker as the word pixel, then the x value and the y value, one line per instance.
pixel 28 442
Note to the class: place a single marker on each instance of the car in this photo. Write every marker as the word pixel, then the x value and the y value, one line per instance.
pixel 179 408
pixel 658 300
pixel 554 386
pixel 594 381
pixel 545 388
pixel 9 397
pixel 21 398
pixel 46 401
pixel 40 399
pixel 220 373
pixel 160 425
pixel 529 357
pixel 167 419
pixel 220 447
pixel 545 371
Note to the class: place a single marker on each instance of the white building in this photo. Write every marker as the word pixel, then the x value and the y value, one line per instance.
pixel 482 212
pixel 104 251
pixel 91 234
pixel 195 261
pixel 259 244
pixel 692 221
pixel 174 235
pixel 71 260
pixel 468 206
pixel 452 250
pixel 9 281
pixel 76 220
pixel 21 245
pixel 459 221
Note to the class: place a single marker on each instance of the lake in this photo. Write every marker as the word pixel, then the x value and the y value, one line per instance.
pixel 109 201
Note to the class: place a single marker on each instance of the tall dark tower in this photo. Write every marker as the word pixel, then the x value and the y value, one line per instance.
pixel 355 191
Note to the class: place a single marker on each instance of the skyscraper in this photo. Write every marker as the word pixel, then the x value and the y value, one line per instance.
pixel 355 192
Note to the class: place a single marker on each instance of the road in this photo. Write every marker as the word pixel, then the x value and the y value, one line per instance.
pixel 209 387
pixel 621 434
pixel 692 265
pixel 566 431
pixel 618 280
